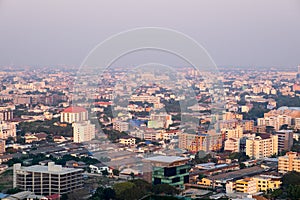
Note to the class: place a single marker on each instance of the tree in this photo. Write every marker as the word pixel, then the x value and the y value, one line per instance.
pixel 241 156
pixel 132 175
pixel 201 176
pixel 242 166
pixel 116 172
pixel 105 173
pixel 291 178
pixel 293 192
pixel 164 189
pixel 125 190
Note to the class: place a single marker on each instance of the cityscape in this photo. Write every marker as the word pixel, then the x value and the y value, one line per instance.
pixel 56 142
pixel 149 105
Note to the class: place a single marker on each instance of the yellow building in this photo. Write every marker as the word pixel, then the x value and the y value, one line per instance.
pixel 205 182
pixel 246 185
pixel 262 146
pixel 128 141
pixel 267 182
pixel 289 162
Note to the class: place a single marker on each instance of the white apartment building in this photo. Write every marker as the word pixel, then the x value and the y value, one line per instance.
pixel 47 180
pixel 262 146
pixel 121 126
pixel 275 121
pixel 7 129
pixel 83 131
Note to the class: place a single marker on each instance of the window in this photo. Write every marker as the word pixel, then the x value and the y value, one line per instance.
pixel 170 171
pixel 175 180
pixel 157 181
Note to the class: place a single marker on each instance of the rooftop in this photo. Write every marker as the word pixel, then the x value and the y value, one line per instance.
pixel 74 109
pixel 51 168
pixel 166 159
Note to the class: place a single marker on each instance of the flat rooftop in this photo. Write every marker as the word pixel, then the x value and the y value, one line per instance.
pixel 167 159
pixel 45 169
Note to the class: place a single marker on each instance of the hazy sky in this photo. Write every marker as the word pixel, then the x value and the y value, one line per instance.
pixel 243 33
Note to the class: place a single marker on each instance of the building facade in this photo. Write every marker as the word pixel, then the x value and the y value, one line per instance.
pixel 47 180
pixel 198 142
pixel 262 146
pixel 7 129
pixel 246 185
pixel 289 162
pixel 83 131
pixel 2 146
pixel 285 140
pixel 74 114
pixel 232 144
pixel 120 126
pixel 172 170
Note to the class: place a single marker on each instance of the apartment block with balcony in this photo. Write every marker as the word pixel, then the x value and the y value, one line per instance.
pixel 246 185
pixel 289 162
pixel 262 146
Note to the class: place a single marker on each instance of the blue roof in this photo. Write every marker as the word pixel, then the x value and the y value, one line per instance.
pixel 136 122
pixel 2 195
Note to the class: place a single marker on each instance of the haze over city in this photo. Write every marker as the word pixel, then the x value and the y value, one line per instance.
pixel 149 100
pixel 235 33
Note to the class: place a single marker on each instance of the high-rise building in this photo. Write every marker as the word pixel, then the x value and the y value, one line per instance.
pixel 74 114
pixel 47 180
pixel 262 146
pixel 289 162
pixel 83 131
pixel 285 140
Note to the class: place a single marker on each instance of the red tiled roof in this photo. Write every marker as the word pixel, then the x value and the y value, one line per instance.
pixel 74 109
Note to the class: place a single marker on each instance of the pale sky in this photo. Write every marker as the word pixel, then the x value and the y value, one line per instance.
pixel 234 32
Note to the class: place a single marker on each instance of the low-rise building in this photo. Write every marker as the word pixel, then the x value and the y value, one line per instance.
pixel 121 126
pixel 246 185
pixel 172 170
pixel 267 182
pixel 128 141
